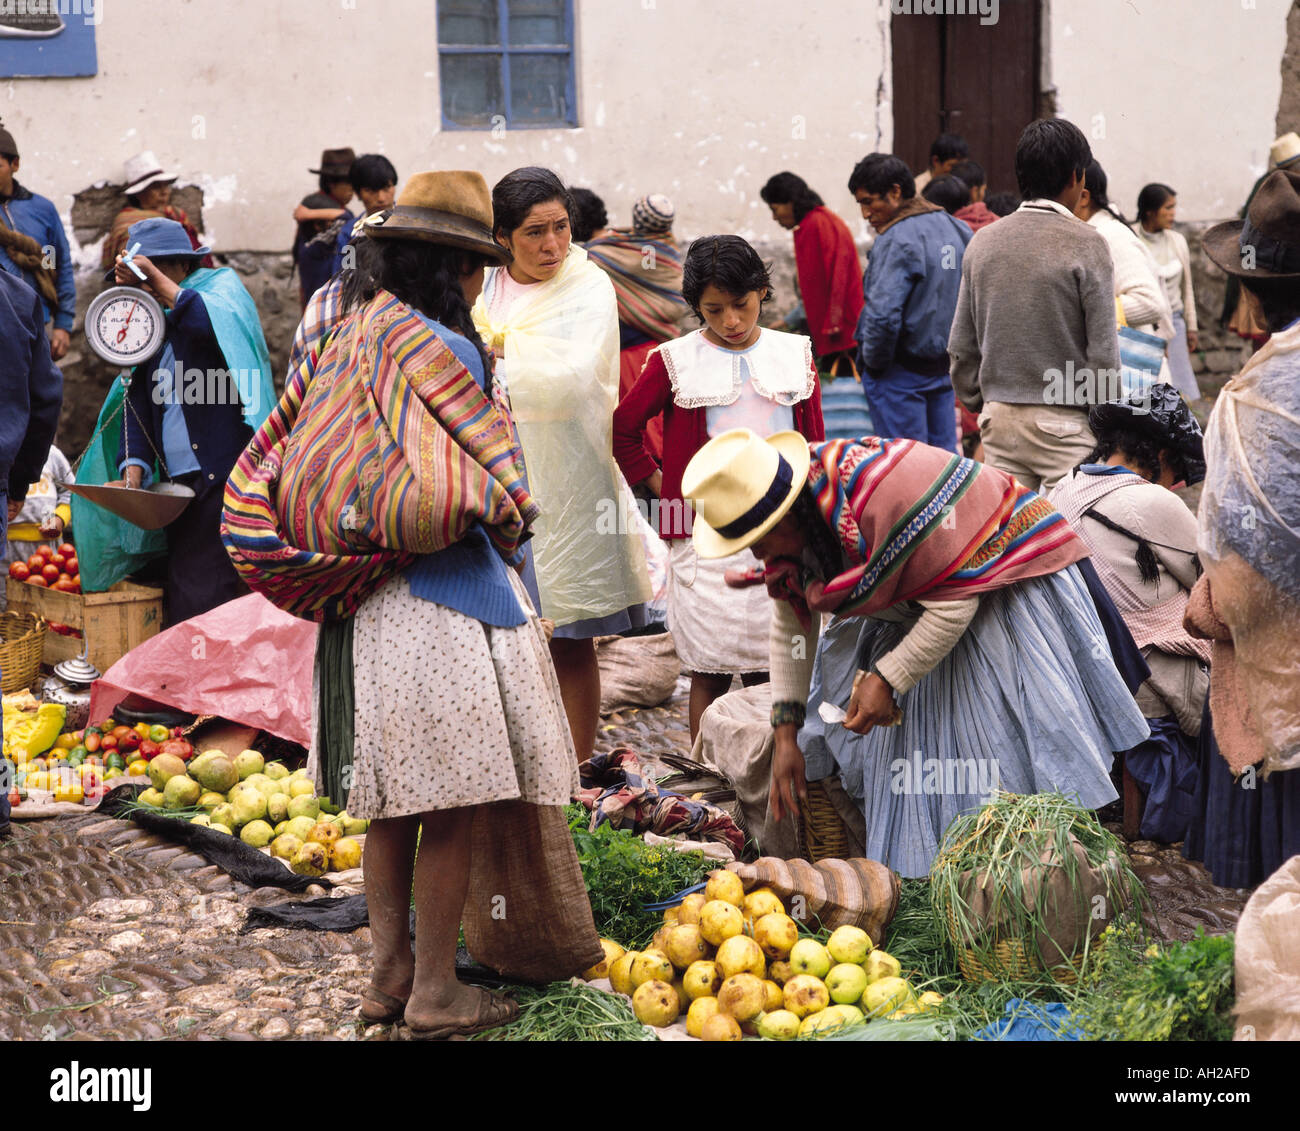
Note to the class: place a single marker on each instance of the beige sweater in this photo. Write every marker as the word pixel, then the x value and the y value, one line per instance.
pixel 928 641
pixel 1137 278
pixel 1169 249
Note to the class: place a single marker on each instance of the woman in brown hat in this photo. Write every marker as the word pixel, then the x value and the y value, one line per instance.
pixel 438 710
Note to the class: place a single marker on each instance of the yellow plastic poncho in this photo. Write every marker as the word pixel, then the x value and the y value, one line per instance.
pixel 559 345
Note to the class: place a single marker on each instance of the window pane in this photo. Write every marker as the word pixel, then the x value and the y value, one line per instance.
pixel 468 22
pixel 536 23
pixel 538 89
pixel 471 89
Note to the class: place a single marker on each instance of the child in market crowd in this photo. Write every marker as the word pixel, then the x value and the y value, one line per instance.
pixel 730 373
pixel 46 513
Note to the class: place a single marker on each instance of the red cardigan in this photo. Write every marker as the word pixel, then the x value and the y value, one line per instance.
pixel 830 280
pixel 685 433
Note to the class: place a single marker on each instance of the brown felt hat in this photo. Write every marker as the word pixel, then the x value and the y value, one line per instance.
pixel 1266 244
pixel 335 163
pixel 449 208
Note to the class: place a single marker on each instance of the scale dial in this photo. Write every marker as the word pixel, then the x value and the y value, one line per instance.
pixel 125 325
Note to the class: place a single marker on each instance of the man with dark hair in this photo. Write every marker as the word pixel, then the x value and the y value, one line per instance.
pixel 948 192
pixel 945 151
pixel 910 291
pixel 31 391
pixel 590 218
pixel 1033 343
pixel 34 248
pixel 374 180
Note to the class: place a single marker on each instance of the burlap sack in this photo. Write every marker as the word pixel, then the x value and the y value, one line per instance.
pixel 1071 911
pixel 1267 964
pixel 636 671
pixel 857 893
pixel 527 914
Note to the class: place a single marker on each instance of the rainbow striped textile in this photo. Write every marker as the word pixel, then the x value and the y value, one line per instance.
pixel 381 449
pixel 916 521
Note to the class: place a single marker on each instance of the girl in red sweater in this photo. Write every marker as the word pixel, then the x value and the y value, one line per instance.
pixel 730 373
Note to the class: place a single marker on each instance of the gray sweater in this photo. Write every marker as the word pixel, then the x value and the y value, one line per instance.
pixel 1036 309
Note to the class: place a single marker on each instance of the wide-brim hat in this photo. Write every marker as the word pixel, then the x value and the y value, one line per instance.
pixel 143 170
pixel 1266 244
pixel 335 163
pixel 1160 413
pixel 741 485
pixel 453 208
pixel 1285 151
pixel 160 238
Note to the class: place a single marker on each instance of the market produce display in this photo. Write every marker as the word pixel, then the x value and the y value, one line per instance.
pixel 735 963
pixel 263 803
pixel 51 568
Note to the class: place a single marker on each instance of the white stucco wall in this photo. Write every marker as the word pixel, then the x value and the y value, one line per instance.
pixel 703 101
pixel 1179 91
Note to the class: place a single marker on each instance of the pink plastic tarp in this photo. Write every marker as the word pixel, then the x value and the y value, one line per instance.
pixel 246 661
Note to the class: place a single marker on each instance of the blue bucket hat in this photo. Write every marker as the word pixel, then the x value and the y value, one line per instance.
pixel 161 239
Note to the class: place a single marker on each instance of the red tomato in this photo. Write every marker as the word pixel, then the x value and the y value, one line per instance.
pixel 50 573
pixel 45 552
pixel 68 550
pixel 36 563
pixel 76 586
pixel 38 581
pixel 148 749
pixel 20 571
pixel 65 584
pixel 71 566
pixel 58 560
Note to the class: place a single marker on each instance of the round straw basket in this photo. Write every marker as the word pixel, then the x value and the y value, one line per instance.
pixel 22 639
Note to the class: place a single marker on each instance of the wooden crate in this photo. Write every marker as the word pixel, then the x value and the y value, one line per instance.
pixel 113 622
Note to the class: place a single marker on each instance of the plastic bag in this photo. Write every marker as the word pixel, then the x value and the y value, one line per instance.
pixel 1267 963
pixel 108 548
pixel 1249 536
pixel 561 371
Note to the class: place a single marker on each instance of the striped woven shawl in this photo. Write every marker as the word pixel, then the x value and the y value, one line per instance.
pixel 647 278
pixel 382 448
pixel 916 521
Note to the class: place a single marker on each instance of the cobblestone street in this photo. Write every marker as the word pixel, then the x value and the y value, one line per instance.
pixel 112 933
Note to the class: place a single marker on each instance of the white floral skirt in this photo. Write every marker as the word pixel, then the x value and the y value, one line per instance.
pixel 451 712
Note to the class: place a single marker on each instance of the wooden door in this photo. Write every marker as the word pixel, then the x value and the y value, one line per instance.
pixel 953 74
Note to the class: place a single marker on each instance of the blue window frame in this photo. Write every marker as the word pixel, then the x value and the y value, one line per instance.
pixel 506 62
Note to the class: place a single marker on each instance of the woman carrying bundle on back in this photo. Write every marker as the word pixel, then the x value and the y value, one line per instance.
pixel 729 373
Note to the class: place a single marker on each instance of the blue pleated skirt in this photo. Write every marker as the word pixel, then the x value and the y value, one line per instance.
pixel 1028 701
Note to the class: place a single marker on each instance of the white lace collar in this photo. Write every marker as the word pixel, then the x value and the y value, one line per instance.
pixel 703 375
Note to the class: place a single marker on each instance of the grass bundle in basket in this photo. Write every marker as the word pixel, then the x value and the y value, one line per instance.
pixel 1025 884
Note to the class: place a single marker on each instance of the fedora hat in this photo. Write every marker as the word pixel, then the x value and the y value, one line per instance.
pixel 143 170
pixel 452 208
pixel 335 163
pixel 741 485
pixel 1285 150
pixel 1266 244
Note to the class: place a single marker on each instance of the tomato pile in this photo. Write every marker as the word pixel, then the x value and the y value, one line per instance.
pixel 50 568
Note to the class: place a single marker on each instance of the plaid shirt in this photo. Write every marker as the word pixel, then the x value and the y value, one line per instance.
pixel 320 318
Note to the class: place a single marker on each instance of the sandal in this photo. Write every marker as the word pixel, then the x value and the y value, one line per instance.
pixel 390 1009
pixel 493 1012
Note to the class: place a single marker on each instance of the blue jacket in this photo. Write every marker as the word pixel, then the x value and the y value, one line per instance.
pixel 37 217
pixel 910 287
pixel 31 390
pixel 217 430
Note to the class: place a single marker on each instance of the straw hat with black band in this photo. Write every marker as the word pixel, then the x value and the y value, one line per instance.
pixel 1268 238
pixel 453 208
pixel 741 485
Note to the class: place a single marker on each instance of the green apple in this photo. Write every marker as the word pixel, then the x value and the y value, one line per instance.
pixel 849 944
pixel 846 983
pixel 808 956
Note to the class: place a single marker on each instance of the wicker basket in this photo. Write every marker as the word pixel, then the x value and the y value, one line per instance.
pixel 22 638
pixel 1012 959
pixel 821 830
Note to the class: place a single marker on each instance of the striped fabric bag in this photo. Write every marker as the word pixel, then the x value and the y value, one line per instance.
pixel 384 449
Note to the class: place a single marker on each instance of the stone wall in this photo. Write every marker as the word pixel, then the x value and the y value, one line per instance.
pixel 267 277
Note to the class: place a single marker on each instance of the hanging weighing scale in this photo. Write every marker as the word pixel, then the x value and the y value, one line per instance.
pixel 125 326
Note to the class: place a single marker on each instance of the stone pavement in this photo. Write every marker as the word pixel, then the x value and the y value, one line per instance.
pixel 108 932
